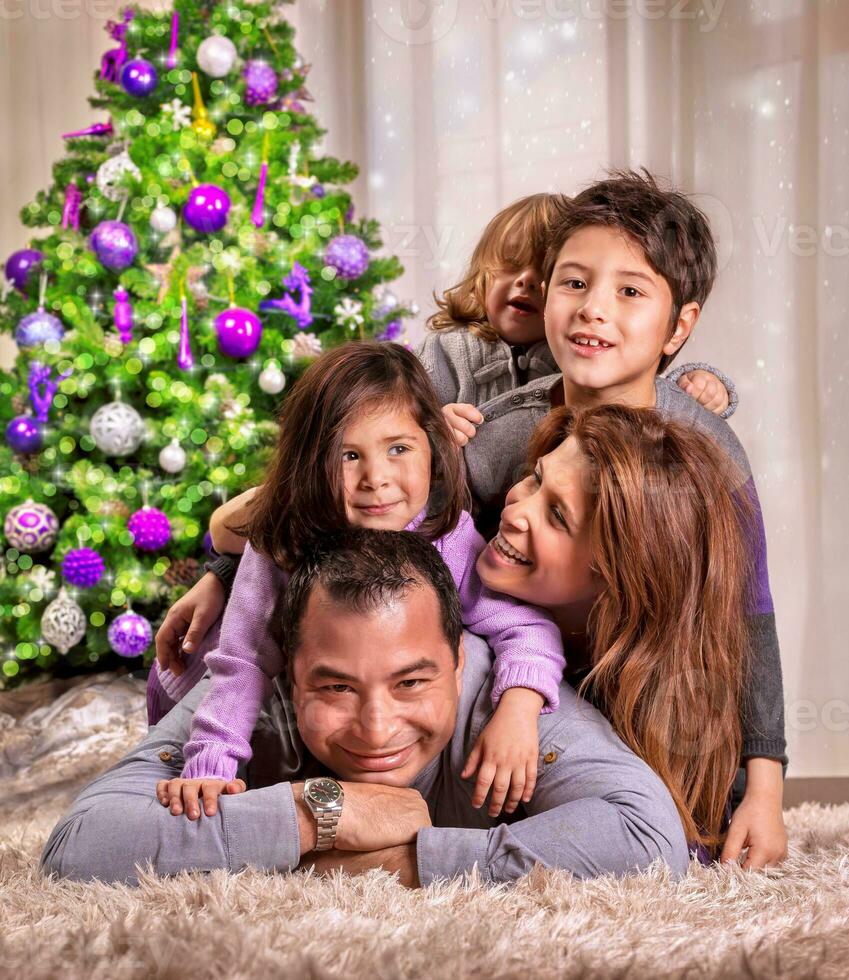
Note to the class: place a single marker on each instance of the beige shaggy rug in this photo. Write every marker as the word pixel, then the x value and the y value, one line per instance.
pixel 792 922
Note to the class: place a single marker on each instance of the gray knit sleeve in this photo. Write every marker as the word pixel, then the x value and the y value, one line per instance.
pixel 733 397
pixel 438 365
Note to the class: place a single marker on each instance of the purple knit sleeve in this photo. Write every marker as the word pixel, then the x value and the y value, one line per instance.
pixel 244 664
pixel 527 645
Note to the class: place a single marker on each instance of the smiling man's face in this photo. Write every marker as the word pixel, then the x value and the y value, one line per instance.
pixel 375 693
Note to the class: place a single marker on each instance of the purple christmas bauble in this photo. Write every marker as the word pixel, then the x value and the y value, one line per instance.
pixel 348 255
pixel 208 546
pixel 82 567
pixel 129 634
pixel 207 208
pixel 139 78
pixel 20 264
pixel 239 332
pixel 115 245
pixel 23 434
pixel 150 528
pixel 261 81
pixel 317 190
pixel 37 328
pixel 31 527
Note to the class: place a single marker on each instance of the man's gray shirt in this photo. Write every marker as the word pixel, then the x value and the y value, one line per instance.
pixel 597 807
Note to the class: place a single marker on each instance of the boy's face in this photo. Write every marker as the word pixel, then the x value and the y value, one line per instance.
pixel 514 305
pixel 607 313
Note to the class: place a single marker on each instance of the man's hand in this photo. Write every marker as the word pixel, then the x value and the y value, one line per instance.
pixel 401 858
pixel 373 816
pixel 758 823
pixel 190 617
pixel 507 751
pixel 707 389
pixel 182 794
pixel 462 418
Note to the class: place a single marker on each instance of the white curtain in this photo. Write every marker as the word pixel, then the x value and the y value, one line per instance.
pixel 453 108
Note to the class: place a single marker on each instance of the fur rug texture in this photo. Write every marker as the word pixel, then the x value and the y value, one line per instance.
pixel 790 922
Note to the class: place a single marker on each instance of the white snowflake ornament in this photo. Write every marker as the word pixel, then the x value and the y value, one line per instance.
pixel 178 112
pixel 349 313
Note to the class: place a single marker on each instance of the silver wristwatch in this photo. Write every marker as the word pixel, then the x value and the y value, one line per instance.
pixel 324 796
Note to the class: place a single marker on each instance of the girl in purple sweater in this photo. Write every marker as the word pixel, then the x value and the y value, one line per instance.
pixel 362 441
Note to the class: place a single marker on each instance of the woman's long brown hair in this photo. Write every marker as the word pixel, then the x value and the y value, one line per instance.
pixel 667 634
pixel 302 494
pixel 516 237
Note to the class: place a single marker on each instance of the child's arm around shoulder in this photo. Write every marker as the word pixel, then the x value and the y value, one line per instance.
pixel 708 386
pixel 243 666
pixel 526 643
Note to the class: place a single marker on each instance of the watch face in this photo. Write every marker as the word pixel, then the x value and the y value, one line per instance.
pixel 325 791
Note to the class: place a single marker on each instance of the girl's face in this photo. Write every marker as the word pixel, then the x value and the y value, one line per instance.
pixel 386 468
pixel 514 305
pixel 542 550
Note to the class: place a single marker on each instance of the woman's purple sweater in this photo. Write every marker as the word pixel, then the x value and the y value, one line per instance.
pixel 527 646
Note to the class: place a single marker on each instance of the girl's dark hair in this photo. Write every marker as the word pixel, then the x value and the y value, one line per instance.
pixel 302 494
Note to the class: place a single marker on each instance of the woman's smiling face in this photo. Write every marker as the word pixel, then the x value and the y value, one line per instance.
pixel 542 551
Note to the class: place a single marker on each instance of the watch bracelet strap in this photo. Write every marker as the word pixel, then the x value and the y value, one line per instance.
pixel 326 830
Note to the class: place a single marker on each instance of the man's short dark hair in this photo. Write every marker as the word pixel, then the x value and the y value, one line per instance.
pixel 672 232
pixel 363 570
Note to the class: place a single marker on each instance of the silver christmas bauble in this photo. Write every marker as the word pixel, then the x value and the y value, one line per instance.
pixel 163 220
pixel 117 429
pixel 172 458
pixel 216 55
pixel 63 623
pixel 111 173
pixel 272 380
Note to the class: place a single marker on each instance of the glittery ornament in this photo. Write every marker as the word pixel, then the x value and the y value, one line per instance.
pixel 23 435
pixel 239 332
pixel 63 623
pixel 163 220
pixel 20 265
pixel 37 328
pixel 272 380
pixel 348 255
pixel 139 78
pixel 216 56
pixel 117 429
pixel 172 457
pixel 31 527
pixel 129 634
pixel 207 208
pixel 150 528
pixel 82 567
pixel 261 82
pixel 115 245
pixel 111 173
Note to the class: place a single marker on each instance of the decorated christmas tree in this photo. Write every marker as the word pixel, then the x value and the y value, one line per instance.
pixel 197 252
